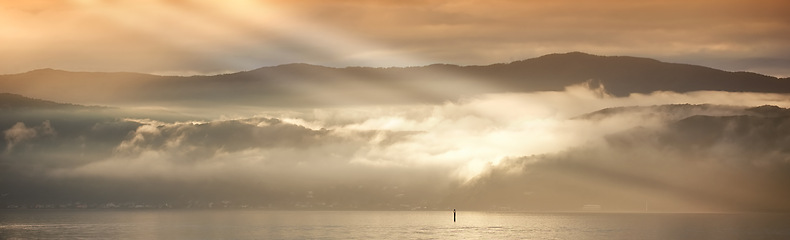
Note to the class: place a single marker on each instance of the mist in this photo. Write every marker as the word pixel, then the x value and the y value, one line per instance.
pixel 540 151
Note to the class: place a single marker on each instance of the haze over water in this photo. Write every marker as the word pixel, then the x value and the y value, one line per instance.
pixel 251 224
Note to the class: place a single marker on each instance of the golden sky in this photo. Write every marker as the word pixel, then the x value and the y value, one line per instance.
pixel 198 37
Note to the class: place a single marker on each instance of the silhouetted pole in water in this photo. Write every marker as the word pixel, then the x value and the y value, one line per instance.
pixel 453 214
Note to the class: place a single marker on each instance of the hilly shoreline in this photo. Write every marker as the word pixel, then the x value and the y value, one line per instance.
pixel 304 85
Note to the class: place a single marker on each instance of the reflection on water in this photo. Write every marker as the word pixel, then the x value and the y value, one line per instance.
pixel 385 225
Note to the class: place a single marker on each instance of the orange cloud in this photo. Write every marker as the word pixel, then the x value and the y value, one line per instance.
pixel 185 35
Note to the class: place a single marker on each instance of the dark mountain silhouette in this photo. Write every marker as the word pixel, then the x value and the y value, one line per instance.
pixel 17 108
pixel 625 75
pixel 308 85
pixel 10 101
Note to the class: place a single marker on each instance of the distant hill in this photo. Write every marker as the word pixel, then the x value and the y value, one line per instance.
pixel 10 101
pixel 310 85
pixel 625 75
pixel 15 108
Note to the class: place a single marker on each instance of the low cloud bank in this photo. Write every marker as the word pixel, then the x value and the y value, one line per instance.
pixel 531 151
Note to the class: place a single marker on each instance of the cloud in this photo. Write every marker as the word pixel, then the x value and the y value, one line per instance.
pixel 542 151
pixel 461 136
pixel 510 30
pixel 184 36
pixel 698 163
pixel 20 133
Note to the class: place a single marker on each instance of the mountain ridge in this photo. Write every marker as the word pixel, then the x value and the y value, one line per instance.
pixel 301 84
pixel 10 101
pixel 547 56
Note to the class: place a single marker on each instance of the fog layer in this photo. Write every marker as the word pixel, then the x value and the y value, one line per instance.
pixel 550 151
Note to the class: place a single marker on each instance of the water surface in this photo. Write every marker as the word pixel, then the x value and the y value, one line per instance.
pixel 250 224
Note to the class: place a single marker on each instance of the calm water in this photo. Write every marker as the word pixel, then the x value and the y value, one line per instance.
pixel 182 224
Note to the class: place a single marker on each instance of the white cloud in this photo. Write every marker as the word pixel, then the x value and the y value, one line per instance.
pixel 459 139
pixel 20 133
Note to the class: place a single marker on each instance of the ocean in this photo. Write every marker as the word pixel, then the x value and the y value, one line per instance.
pixel 254 224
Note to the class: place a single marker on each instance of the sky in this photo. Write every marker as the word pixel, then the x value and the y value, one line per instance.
pixel 186 37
